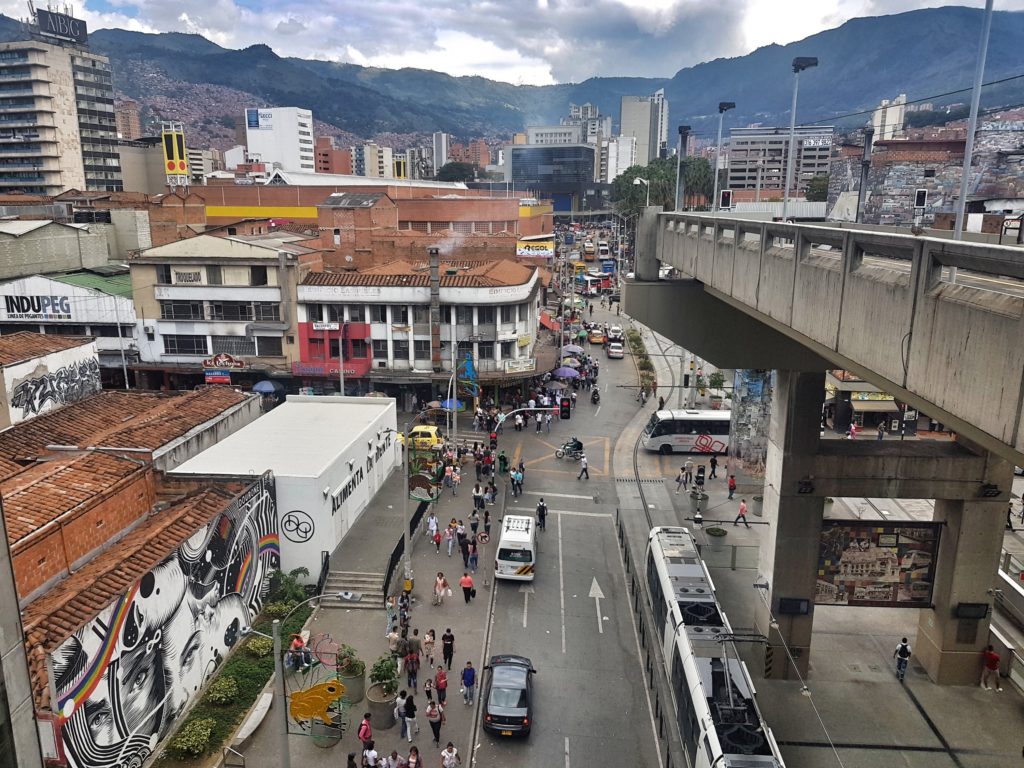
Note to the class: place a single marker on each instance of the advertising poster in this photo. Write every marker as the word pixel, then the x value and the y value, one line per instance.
pixel 877 564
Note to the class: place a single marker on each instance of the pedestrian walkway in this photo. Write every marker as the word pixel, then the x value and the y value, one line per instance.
pixel 367 547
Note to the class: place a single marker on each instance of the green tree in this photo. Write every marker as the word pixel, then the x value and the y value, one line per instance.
pixel 629 198
pixel 456 172
pixel 817 190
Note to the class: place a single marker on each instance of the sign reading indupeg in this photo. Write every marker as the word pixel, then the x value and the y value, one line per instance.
pixel 37 307
pixel 223 360
pixel 522 365
pixel 62 26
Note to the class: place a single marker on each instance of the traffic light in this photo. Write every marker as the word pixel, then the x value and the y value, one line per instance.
pixel 494 440
pixel 686 380
pixel 564 408
pixel 725 201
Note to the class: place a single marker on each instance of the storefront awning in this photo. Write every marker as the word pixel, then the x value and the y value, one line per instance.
pixel 874 406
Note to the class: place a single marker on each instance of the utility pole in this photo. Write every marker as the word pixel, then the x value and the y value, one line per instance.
pixel 800 63
pixel 723 107
pixel 865 166
pixel 684 132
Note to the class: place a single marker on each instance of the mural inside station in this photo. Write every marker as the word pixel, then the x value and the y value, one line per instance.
pixel 124 678
pixel 892 564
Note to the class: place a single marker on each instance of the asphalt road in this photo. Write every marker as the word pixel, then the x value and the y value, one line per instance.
pixel 590 701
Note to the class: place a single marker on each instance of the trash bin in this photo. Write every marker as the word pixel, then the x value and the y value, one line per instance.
pixel 756 505
pixel 698 501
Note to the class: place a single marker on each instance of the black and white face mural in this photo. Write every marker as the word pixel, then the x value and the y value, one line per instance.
pixel 55 388
pixel 125 677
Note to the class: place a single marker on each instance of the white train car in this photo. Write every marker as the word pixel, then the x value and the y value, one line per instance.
pixel 713 695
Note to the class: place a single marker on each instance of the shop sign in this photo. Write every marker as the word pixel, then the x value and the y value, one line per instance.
pixel 218 376
pixel 188 278
pixel 326 326
pixel 223 360
pixel 38 307
pixel 522 365
pixel 524 340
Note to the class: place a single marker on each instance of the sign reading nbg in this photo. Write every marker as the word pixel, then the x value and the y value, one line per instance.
pixel 61 25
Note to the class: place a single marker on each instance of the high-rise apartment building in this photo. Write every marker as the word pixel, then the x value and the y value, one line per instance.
pixel 441 143
pixel 887 120
pixel 757 157
pixel 331 158
pixel 126 116
pixel 478 154
pixel 419 162
pixel 645 118
pixel 595 127
pixel 617 154
pixel 57 124
pixel 373 161
pixel 282 137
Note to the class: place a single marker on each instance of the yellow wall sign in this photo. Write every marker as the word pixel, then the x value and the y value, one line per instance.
pixel 175 156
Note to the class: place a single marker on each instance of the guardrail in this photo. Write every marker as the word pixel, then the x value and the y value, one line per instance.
pixel 669 742
pixel 399 550
pixel 325 569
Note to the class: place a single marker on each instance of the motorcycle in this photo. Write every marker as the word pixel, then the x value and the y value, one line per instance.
pixel 570 449
pixel 595 396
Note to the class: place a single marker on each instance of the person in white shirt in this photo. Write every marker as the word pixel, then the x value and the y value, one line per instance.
pixel 370 755
pixel 450 757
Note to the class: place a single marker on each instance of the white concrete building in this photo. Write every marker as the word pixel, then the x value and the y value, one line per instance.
pixel 282 137
pixel 40 373
pixel 329 456
pixel 554 134
pixel 618 154
pixel 645 118
pixel 442 142
pixel 887 120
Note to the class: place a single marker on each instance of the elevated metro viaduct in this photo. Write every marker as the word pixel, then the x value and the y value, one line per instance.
pixel 802 299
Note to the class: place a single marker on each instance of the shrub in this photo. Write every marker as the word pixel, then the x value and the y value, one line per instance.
pixel 278 610
pixel 223 690
pixel 193 739
pixel 259 646
pixel 384 672
pixel 349 663
pixel 285 587
pixel 716 380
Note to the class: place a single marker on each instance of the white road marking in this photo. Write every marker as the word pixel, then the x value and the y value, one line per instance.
pixel 598 595
pixel 598 410
pixel 559 495
pixel 526 589
pixel 566 752
pixel 561 581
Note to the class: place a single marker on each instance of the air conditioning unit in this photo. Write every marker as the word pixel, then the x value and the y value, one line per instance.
pixel 382 363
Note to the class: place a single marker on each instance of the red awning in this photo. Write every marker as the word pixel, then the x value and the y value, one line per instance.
pixel 548 322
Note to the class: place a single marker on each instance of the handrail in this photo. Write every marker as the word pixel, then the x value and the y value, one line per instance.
pixel 224 757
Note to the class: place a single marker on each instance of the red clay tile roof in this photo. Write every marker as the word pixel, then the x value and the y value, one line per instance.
pixel 47 491
pixel 74 602
pixel 114 418
pixel 24 345
pixel 490 274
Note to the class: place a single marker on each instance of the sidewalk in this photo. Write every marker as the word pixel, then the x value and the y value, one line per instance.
pixel 367 547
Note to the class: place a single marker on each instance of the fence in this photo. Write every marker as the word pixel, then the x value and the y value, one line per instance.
pixel 399 550
pixel 669 740
pixel 325 569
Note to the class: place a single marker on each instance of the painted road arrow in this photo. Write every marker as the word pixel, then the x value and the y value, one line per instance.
pixel 598 595
pixel 526 590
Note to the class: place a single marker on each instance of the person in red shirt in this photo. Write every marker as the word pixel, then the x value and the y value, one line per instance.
pixel 732 485
pixel 991 668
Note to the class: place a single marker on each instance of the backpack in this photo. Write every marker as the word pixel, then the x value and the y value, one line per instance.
pixel 363 729
pixel 903 651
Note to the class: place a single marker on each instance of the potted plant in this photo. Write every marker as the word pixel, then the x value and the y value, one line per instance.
pixel 352 672
pixel 381 695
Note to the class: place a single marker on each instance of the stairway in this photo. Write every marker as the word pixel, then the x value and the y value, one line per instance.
pixel 369 585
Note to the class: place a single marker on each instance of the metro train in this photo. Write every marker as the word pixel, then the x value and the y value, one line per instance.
pixel 712 693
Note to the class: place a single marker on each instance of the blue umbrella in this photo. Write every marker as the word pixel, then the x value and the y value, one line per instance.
pixel 565 373
pixel 452 405
pixel 267 387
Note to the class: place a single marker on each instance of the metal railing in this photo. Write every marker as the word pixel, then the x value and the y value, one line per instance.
pixel 325 570
pixel 399 550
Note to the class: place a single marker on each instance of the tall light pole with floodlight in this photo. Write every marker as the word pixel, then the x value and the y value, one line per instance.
pixel 684 131
pixel 723 107
pixel 640 180
pixel 800 63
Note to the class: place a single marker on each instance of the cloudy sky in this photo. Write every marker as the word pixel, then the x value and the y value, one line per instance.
pixel 517 41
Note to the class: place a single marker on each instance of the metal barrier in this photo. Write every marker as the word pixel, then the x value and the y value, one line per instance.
pixel 325 569
pixel 399 550
pixel 669 740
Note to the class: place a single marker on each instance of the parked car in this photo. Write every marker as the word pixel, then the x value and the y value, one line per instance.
pixel 508 695
pixel 615 350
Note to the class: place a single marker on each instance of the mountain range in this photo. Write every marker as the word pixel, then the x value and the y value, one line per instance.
pixel 927 54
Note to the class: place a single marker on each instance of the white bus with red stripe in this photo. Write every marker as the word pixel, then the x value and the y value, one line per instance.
pixel 517 549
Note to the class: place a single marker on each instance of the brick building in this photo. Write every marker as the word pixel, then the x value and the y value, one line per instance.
pixel 134 220
pixel 331 158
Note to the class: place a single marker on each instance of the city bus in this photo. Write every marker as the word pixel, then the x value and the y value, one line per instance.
pixel 687 432
pixel 517 549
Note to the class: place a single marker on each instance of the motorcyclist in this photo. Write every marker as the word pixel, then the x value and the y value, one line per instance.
pixel 595 396
pixel 574 444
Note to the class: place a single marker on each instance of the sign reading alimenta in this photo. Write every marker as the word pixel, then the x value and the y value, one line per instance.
pixel 62 26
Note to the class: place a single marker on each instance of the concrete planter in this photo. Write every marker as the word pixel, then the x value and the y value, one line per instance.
pixel 355 686
pixel 326 736
pixel 382 706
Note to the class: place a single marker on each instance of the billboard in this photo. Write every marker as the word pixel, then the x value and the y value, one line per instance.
pixel 888 564
pixel 175 155
pixel 536 249
pixel 61 26
pixel 259 119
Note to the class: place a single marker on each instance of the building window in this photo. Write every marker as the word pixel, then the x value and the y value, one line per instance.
pixel 356 313
pixel 485 350
pixel 421 349
pixel 400 314
pixel 401 349
pixel 335 313
pixel 335 348
pixel 230 310
pixel 929 173
pixel 266 310
pixel 485 315
pixel 358 347
pixel 233 345
pixel 508 313
pixel 380 348
pixel 181 310
pixel 378 313
pixel 463 227
pixel 464 315
pixel 64 330
pixel 213 275
pixel 420 315
pixel 257 275
pixel 163 274
pixel 524 312
pixel 505 348
pixel 316 349
pixel 269 346
pixel 184 345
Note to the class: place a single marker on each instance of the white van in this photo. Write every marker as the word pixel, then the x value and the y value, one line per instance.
pixel 517 549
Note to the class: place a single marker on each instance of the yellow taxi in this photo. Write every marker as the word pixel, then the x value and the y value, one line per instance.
pixel 596 336
pixel 423 436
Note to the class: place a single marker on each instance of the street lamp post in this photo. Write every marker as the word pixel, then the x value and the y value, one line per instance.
pixel 800 63
pixel 640 180
pixel 723 107
pixel 684 131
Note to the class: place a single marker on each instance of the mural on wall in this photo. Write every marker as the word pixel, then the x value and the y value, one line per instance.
pixel 425 475
pixel 55 388
pixel 124 678
pixel 888 564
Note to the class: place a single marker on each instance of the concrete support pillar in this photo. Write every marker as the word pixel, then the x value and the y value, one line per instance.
pixel 948 647
pixel 645 258
pixel 788 558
